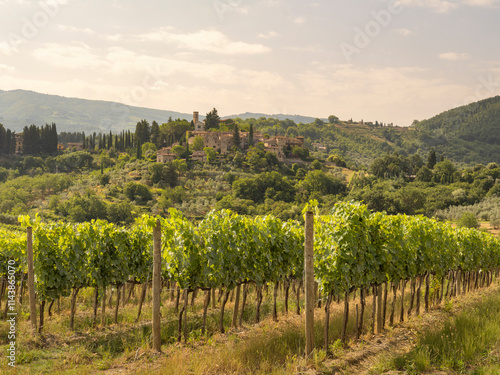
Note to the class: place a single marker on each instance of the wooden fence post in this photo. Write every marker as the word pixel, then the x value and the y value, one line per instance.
pixel 309 281
pixel 156 286
pixel 31 277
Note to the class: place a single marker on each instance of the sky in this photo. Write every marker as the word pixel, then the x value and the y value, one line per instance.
pixel 373 60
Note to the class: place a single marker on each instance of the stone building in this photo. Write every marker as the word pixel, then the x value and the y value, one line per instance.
pixel 165 155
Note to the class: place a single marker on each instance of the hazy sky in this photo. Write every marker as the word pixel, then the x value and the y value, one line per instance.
pixel 390 61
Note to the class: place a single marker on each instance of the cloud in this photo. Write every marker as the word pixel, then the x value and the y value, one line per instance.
pixel 299 20
pixel 438 6
pixel 309 49
pixel 205 41
pixel 8 48
pixel 403 92
pixel 7 68
pixel 73 29
pixel 269 35
pixel 481 3
pixel 454 56
pixel 444 6
pixel 73 55
pixel 404 32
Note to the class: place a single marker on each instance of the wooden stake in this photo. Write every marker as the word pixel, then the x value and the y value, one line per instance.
pixel 156 286
pixel 309 281
pixel 31 277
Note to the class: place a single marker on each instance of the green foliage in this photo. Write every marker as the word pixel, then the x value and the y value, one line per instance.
pixel 211 154
pixel 198 144
pixel 320 183
pixel 444 172
pixel 333 119
pixel 120 213
pixel 170 196
pixel 179 151
pixel 301 152
pixel 137 192
pixel 160 173
pixel 468 220
pixel 337 160
pixel 265 185
pixel 212 120
pixel 316 164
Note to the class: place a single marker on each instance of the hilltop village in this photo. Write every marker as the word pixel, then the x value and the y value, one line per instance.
pixel 223 142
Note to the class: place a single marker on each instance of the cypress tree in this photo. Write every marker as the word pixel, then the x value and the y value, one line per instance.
pixel 431 159
pixel 250 136
pixel 236 136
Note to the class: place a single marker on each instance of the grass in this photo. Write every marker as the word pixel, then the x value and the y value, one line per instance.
pixel 467 343
pixel 265 348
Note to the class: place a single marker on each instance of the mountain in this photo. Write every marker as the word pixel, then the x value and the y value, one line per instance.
pixel 19 108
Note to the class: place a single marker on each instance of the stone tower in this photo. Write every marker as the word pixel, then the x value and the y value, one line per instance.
pixel 195 117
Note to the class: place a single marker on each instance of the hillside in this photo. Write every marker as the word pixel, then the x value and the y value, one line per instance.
pixel 19 108
pixel 470 133
pixel 467 135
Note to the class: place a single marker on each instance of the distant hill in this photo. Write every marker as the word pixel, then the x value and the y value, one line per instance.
pixel 294 118
pixel 19 108
pixel 469 133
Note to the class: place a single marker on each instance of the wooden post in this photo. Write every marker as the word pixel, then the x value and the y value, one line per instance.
pixel 309 281
pixel 379 309
pixel 156 286
pixel 31 277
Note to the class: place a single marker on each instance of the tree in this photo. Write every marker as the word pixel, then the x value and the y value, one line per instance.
pixel 337 160
pixel 142 132
pixel 120 213
pixel 265 185
pixel 424 174
pixel 444 172
pixel 318 122
pixel 333 119
pixel 236 137
pixel 319 182
pixel 155 134
pixel 316 164
pixel 148 149
pixel 468 220
pixel 198 143
pixel 431 159
pixel 138 150
pixel 250 136
pixel 137 192
pixel 211 154
pixel 212 120
pixel 178 150
pixel 301 152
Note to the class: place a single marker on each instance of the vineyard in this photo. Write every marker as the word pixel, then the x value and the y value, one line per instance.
pixel 357 254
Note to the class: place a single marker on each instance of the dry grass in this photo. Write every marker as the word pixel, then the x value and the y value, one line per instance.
pixel 265 348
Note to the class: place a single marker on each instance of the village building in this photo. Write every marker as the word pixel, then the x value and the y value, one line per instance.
pixel 199 156
pixel 19 143
pixel 223 142
pixel 165 155
pixel 76 145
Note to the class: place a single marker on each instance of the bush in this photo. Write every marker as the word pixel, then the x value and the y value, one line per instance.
pixel 137 192
pixel 468 220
